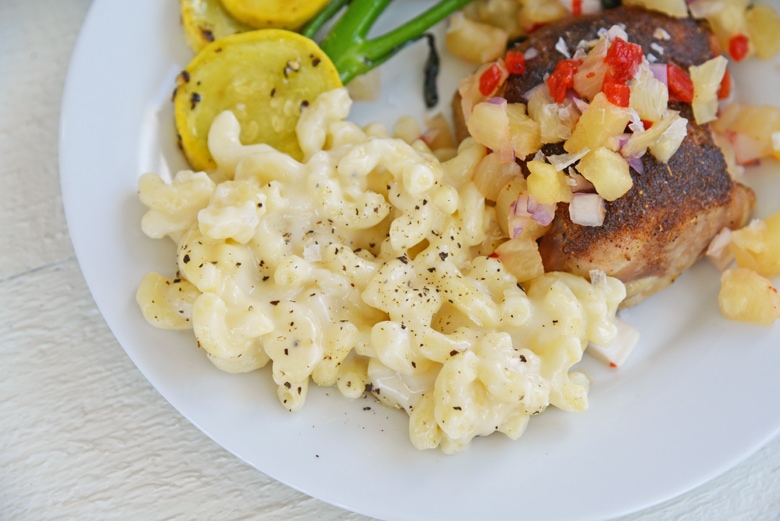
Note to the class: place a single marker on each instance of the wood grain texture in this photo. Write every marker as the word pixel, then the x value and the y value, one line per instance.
pixel 82 434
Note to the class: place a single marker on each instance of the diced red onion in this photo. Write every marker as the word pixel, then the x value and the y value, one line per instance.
pixel 562 161
pixel 634 160
pixel 718 251
pixel 615 354
pixel 587 209
pixel 636 163
pixel 636 124
pixel 518 216
pixel 580 103
pixel 562 48
pixel 578 183
pixel 564 110
pixel 580 54
pixel 540 212
pixel 519 206
pixel 659 72
pixel 616 31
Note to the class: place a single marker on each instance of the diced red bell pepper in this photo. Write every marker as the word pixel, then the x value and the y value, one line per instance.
pixel 623 59
pixel 515 62
pixel 725 86
pixel 739 45
pixel 488 82
pixel 617 93
pixel 679 83
pixel 562 78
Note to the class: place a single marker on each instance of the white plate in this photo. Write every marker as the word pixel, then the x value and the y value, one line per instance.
pixel 698 389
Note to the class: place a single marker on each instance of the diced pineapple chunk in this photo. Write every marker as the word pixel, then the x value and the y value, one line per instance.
pixel 669 141
pixel 649 96
pixel 534 13
pixel 729 116
pixel 526 133
pixel 757 246
pixel 461 168
pixel 489 126
pixel 746 296
pixel 366 87
pixel 521 258
pixel 608 171
pixel 407 128
pixel 763 24
pixel 748 243
pixel 673 8
pixel 706 79
pixel 438 133
pixel 752 127
pixel 474 41
pixel 640 141
pixel 493 174
pixel 589 77
pixel 556 121
pixel 546 184
pixel 600 122
pixel 499 13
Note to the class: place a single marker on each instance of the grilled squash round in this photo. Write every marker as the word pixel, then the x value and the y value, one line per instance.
pixel 265 77
pixel 281 14
pixel 204 21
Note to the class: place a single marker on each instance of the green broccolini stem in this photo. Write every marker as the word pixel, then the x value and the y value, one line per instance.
pixel 316 23
pixel 347 44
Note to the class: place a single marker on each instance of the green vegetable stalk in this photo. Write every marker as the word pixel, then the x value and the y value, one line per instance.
pixel 347 43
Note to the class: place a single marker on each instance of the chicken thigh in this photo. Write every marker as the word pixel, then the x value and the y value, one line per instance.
pixel 665 222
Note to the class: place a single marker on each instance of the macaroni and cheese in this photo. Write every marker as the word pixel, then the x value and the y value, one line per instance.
pixel 367 266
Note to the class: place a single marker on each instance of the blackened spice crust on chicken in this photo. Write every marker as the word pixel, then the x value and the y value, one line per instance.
pixel 689 42
pixel 665 222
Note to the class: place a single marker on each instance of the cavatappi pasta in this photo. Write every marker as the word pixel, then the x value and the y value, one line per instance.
pixel 367 267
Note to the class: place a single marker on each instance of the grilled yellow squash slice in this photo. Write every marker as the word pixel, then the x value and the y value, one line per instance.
pixel 266 77
pixel 207 20
pixel 282 14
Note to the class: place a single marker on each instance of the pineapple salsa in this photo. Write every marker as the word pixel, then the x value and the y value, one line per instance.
pixel 607 102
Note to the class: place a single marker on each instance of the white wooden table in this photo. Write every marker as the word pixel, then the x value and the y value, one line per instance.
pixel 82 434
